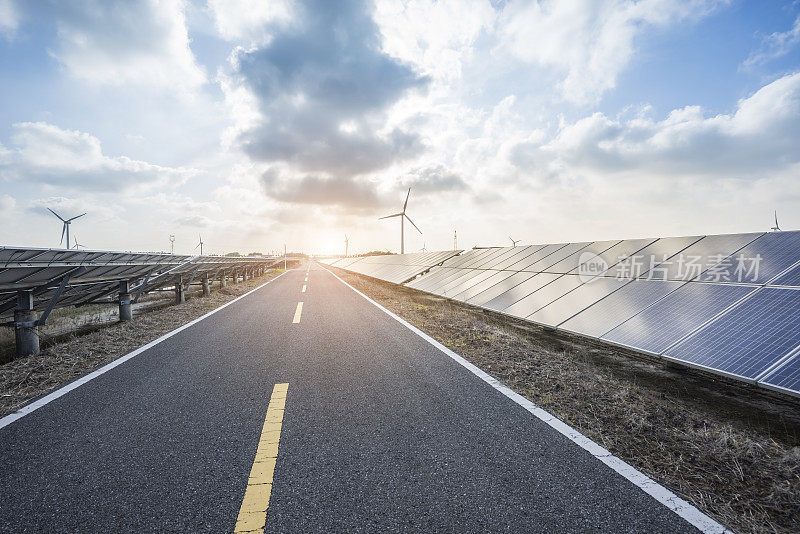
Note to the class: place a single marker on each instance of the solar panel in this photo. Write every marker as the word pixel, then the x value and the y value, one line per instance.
pixel 501 286
pixel 525 252
pixel 642 261
pixel 540 254
pixel 493 278
pixel 791 278
pixel 463 276
pixel 544 296
pixel 92 275
pixel 748 339
pixel 676 315
pixel 690 262
pixel 464 285
pixel 758 262
pixel 786 377
pixel 611 256
pixel 575 259
pixel 619 306
pixel 576 301
pixel 520 291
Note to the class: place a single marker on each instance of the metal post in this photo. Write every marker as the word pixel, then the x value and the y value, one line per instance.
pixel 26 333
pixel 235 277
pixel 223 280
pixel 125 311
pixel 206 286
pixel 180 298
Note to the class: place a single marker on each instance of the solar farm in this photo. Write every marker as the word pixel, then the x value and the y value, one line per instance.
pixel 34 281
pixel 728 304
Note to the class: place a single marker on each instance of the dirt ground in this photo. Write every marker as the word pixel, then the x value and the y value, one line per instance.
pixel 76 354
pixel 729 449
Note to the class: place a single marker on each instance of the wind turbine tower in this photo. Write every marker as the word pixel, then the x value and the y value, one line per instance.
pixel 776 228
pixel 172 243
pixel 65 226
pixel 403 216
pixel 346 244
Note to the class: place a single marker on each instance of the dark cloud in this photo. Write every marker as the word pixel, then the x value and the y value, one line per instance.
pixel 323 87
pixel 319 190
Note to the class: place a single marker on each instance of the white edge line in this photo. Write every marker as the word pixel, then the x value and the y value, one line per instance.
pixel 35 405
pixel 678 505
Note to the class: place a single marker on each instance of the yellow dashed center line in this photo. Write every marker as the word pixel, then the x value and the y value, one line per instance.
pixel 253 513
pixel 298 312
pixel 304 288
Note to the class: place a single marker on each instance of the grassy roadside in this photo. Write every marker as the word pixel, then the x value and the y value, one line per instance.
pixel 732 452
pixel 25 379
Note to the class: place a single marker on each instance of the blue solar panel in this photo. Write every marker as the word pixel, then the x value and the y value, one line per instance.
pixel 792 278
pixel 618 307
pixel 750 338
pixel 676 315
pixel 758 262
pixel 689 263
pixel 786 377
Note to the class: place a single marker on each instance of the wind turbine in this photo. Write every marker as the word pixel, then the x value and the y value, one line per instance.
pixel 200 244
pixel 776 228
pixel 424 244
pixel 514 242
pixel 77 245
pixel 65 227
pixel 403 216
pixel 346 244
pixel 172 243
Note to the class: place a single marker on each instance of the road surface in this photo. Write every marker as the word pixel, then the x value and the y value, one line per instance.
pixel 380 432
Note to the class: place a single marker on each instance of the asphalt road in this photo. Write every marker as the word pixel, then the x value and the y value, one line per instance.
pixel 381 432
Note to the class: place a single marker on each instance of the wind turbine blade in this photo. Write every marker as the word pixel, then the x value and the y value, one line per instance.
pixel 198 246
pixel 72 219
pixel 395 215
pixel 56 214
pixel 412 222
pixel 63 229
pixel 406 202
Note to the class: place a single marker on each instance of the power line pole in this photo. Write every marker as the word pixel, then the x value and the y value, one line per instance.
pixel 284 256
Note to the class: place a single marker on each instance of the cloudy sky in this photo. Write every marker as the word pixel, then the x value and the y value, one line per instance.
pixel 259 123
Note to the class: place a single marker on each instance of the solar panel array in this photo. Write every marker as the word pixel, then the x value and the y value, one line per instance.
pixel 729 304
pixel 397 268
pixel 95 274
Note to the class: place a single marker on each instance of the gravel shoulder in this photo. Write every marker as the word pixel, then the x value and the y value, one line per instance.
pixel 733 451
pixel 79 353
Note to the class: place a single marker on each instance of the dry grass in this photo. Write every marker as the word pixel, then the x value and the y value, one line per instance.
pixel 25 379
pixel 730 450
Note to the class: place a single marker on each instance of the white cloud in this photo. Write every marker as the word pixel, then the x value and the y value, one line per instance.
pixel 9 18
pixel 587 42
pixel 436 35
pixel 775 45
pixel 69 159
pixel 247 20
pixel 127 42
pixel 761 136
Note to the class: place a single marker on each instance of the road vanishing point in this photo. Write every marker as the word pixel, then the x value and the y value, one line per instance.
pixel 305 407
